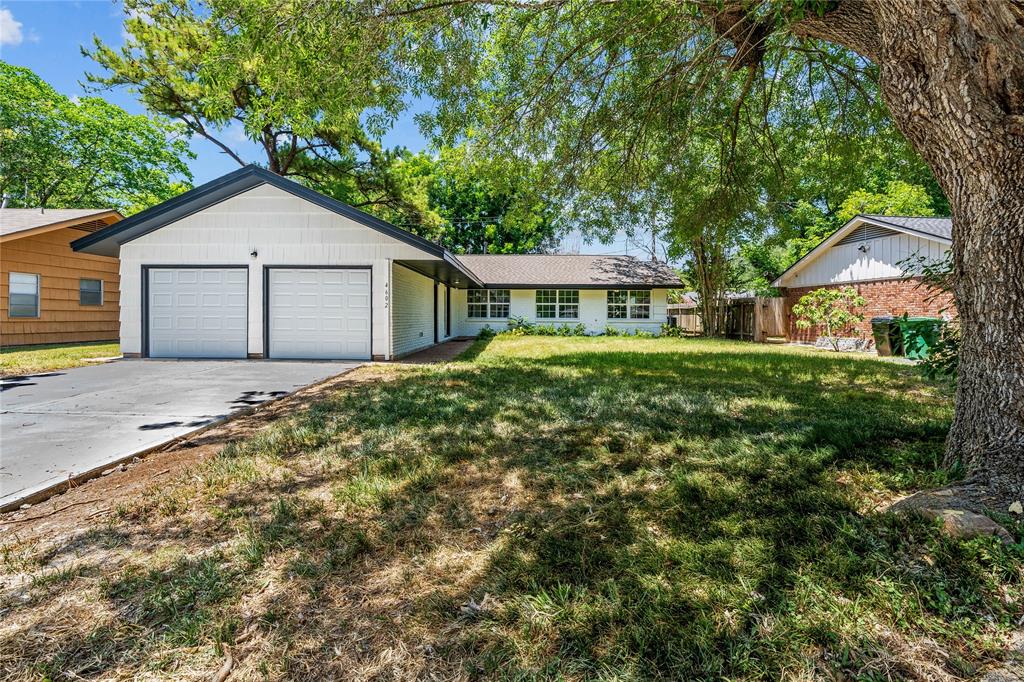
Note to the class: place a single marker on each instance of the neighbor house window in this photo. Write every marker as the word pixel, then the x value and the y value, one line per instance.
pixel 90 292
pixel 561 304
pixel 629 305
pixel 23 295
pixel 488 303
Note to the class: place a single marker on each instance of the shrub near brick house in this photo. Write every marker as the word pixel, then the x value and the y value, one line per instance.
pixel 830 309
pixel 891 297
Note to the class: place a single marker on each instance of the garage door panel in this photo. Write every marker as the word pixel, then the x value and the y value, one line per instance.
pixel 312 314
pixel 198 312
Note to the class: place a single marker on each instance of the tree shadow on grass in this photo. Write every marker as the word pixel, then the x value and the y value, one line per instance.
pixel 677 515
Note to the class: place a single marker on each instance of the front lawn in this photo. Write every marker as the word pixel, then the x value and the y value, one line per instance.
pixel 22 360
pixel 545 508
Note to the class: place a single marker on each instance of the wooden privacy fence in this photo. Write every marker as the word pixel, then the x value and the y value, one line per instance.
pixel 756 318
pixel 688 321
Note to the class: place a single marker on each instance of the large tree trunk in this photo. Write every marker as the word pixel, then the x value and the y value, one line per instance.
pixel 988 249
pixel 952 75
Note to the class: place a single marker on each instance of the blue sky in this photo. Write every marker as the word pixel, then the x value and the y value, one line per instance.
pixel 52 34
pixel 47 36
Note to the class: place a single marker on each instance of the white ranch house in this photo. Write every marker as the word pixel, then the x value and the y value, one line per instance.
pixel 253 265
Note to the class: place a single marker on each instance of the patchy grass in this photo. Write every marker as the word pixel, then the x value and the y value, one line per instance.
pixel 21 360
pixel 557 508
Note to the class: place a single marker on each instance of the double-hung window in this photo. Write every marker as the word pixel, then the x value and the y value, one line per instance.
pixel 90 292
pixel 629 305
pixel 558 304
pixel 23 295
pixel 488 303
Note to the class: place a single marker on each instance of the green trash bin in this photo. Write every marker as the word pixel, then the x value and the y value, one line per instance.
pixel 888 339
pixel 920 334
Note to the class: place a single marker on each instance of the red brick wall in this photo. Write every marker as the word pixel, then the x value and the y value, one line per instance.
pixel 884 297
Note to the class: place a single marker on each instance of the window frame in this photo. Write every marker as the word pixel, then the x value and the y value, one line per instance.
pixel 557 304
pixel 10 295
pixel 495 299
pixel 102 292
pixel 629 303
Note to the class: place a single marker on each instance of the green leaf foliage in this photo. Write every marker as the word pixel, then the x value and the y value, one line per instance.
pixel 480 205
pixel 60 152
pixel 829 309
pixel 230 72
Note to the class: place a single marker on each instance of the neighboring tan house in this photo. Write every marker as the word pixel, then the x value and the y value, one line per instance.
pixel 49 293
pixel 870 253
pixel 256 265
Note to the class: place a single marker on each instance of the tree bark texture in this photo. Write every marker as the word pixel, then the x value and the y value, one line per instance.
pixel 952 75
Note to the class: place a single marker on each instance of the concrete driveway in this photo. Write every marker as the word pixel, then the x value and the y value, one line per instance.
pixel 61 424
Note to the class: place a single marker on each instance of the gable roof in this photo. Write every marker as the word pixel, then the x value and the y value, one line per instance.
pixel 937 229
pixel 528 271
pixel 933 228
pixel 517 271
pixel 106 242
pixel 20 221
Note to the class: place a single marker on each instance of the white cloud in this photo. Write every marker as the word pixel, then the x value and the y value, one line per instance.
pixel 10 28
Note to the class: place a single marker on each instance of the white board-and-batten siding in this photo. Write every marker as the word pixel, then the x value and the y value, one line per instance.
pixel 281 229
pixel 593 312
pixel 848 263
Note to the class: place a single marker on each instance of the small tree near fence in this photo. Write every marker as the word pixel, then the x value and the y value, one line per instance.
pixel 831 309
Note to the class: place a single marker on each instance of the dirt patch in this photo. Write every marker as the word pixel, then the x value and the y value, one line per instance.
pixel 98 498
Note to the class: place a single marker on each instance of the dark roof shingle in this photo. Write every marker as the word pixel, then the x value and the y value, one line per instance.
pixel 14 220
pixel 935 227
pixel 535 270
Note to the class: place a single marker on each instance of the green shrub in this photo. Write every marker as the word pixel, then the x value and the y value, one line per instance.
pixel 830 309
pixel 520 326
pixel 673 332
pixel 944 357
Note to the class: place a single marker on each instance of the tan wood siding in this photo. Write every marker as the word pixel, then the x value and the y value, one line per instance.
pixel 61 318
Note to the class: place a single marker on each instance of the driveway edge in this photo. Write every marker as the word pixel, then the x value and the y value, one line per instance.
pixel 67 484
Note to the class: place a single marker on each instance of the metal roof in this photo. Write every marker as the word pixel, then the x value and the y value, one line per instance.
pixel 14 220
pixel 529 271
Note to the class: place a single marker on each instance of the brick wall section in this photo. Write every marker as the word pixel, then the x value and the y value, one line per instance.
pixel 884 297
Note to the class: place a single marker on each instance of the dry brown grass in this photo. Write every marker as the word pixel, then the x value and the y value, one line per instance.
pixel 544 511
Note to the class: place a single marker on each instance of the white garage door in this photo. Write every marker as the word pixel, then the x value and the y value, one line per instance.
pixel 319 313
pixel 198 312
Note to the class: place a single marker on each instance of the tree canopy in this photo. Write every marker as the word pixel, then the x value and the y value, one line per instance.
pixel 225 69
pixel 60 152
pixel 614 93
pixel 481 205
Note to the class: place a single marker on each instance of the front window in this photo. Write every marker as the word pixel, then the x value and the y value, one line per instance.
pixel 629 305
pixel 561 304
pixel 488 303
pixel 23 295
pixel 90 292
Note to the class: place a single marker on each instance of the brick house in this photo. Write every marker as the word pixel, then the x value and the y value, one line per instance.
pixel 869 253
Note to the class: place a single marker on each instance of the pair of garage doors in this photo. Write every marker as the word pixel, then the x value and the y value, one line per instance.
pixel 308 313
